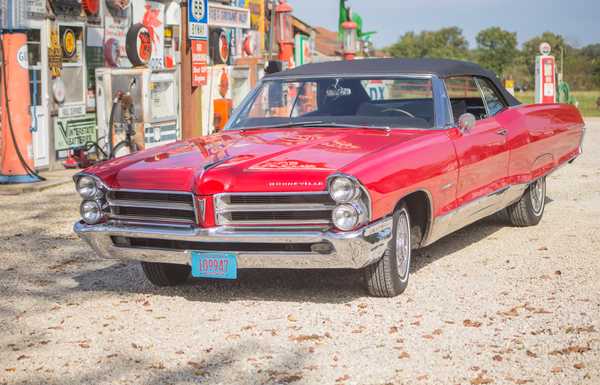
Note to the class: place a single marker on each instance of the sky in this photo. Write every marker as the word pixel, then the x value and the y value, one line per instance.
pixel 577 20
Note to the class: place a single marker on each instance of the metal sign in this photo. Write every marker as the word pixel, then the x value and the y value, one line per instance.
pixel 199 62
pixel 69 133
pixel 198 19
pixel 228 17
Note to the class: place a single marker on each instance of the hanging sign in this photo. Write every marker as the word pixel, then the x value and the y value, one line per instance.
pixel 228 17
pixel 54 54
pixel 199 62
pixel 198 19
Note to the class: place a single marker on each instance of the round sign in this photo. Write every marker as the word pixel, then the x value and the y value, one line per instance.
pixel 545 48
pixel 69 43
pixel 58 90
pixel 198 9
pixel 138 45
pixel 22 57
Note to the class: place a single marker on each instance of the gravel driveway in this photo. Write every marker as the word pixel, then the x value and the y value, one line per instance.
pixel 490 304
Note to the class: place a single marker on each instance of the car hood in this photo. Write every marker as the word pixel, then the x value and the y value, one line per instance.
pixel 257 160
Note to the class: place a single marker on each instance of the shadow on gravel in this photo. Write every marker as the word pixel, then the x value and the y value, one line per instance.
pixel 318 286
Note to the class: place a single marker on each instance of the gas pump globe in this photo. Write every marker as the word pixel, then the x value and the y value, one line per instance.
pixel 349 46
pixel 285 32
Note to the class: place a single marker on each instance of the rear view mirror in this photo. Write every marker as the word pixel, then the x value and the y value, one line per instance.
pixel 466 122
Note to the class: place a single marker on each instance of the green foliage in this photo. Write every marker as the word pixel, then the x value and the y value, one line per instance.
pixel 447 43
pixel 496 49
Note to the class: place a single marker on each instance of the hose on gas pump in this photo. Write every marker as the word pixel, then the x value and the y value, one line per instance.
pixel 30 172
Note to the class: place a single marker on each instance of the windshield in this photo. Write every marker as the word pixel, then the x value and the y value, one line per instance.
pixel 400 102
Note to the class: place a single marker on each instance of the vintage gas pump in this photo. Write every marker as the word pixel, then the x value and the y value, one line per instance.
pixel 545 76
pixel 16 150
pixel 153 93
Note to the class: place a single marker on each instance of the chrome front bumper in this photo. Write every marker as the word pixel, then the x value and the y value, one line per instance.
pixel 354 250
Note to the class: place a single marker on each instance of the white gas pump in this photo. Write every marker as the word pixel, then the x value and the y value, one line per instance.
pixel 545 76
pixel 155 103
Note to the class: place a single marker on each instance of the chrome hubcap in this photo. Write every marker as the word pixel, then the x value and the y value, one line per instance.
pixel 403 245
pixel 538 195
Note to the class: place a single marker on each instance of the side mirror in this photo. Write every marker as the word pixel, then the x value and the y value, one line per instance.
pixel 466 122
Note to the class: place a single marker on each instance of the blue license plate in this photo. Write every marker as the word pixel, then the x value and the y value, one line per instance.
pixel 214 265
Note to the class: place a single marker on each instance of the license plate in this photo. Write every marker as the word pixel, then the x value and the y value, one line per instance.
pixel 214 265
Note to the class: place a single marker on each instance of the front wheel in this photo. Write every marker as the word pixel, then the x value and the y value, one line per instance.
pixel 528 210
pixel 388 277
pixel 165 274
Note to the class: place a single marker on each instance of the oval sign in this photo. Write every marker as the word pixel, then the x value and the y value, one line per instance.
pixel 69 43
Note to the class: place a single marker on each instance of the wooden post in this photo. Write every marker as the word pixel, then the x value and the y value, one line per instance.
pixel 191 97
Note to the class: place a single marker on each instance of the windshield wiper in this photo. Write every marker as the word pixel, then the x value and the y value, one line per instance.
pixel 348 125
pixel 283 125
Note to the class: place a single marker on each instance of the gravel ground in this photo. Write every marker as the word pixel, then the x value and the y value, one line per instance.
pixel 490 304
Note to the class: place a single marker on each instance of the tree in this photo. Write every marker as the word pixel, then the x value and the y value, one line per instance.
pixel 447 43
pixel 496 49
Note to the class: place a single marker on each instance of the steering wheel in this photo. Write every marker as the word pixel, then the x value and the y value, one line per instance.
pixel 399 110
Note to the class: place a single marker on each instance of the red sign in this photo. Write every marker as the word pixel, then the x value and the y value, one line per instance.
pixel 199 62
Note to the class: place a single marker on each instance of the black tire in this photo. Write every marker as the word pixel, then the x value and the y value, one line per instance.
pixel 165 274
pixel 383 278
pixel 528 210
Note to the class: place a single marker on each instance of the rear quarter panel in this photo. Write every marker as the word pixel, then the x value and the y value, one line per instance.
pixel 541 138
pixel 426 163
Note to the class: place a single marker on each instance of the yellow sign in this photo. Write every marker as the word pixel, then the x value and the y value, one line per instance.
pixel 54 53
pixel 69 43
pixel 257 18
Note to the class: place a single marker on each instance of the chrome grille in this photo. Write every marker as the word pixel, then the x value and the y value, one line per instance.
pixel 260 209
pixel 154 207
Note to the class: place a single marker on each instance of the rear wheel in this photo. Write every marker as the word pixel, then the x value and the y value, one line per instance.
pixel 165 274
pixel 529 209
pixel 389 276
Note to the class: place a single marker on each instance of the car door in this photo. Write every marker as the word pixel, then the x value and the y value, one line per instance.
pixel 482 152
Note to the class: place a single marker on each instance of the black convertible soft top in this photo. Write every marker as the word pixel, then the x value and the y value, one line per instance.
pixel 442 68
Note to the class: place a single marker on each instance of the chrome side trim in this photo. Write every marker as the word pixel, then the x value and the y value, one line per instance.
pixel 474 211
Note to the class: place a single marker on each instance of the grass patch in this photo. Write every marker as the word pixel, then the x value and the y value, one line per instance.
pixel 586 99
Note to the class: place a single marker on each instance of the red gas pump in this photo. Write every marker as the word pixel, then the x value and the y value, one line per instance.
pixel 545 76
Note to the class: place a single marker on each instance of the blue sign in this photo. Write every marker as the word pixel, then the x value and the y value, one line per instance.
pixel 198 19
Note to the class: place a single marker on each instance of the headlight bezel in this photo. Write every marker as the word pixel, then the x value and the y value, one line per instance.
pixel 355 190
pixel 360 202
pixel 99 211
pixel 98 187
pixel 358 211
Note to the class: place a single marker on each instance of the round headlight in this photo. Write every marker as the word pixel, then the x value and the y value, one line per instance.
pixel 343 189
pixel 345 217
pixel 87 187
pixel 91 212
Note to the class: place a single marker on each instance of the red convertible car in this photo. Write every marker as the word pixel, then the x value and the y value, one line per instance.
pixel 332 165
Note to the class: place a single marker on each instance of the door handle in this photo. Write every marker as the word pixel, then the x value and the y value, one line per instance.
pixel 502 131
